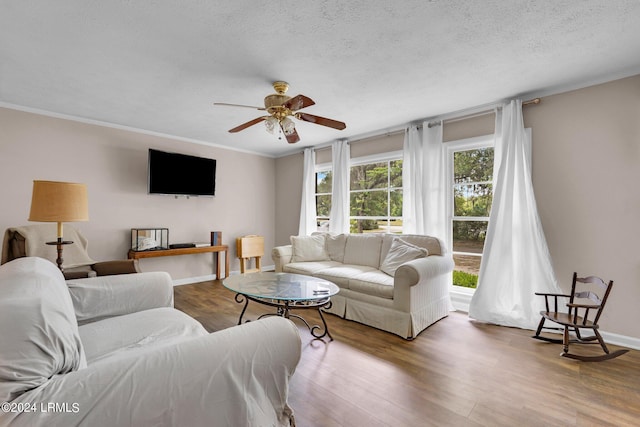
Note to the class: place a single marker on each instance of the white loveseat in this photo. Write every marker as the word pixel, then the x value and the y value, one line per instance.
pixel 134 360
pixel 397 283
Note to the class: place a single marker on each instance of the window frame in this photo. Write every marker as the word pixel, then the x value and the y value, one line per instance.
pixel 321 167
pixel 451 147
pixel 387 157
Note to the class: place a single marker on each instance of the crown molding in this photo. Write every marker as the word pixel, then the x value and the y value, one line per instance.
pixel 125 128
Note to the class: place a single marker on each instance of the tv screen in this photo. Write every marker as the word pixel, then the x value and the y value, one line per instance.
pixel 181 174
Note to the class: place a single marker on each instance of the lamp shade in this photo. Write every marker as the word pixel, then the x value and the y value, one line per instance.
pixel 53 201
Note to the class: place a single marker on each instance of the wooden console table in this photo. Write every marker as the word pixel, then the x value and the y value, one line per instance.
pixel 188 251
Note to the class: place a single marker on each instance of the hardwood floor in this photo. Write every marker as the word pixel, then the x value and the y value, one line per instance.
pixel 455 373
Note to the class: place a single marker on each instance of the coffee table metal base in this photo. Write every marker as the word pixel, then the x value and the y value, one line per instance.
pixel 284 307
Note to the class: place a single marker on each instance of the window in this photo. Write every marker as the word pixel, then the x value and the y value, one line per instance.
pixel 375 196
pixel 323 197
pixel 470 173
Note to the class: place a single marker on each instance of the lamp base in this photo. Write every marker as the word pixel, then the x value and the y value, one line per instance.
pixel 59 243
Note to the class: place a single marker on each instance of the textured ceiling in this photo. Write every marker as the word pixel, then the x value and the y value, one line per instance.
pixel 160 65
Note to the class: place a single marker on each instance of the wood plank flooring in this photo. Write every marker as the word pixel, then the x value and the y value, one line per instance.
pixel 455 373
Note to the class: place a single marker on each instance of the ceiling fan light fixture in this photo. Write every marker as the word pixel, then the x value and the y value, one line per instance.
pixel 281 109
pixel 288 126
pixel 271 124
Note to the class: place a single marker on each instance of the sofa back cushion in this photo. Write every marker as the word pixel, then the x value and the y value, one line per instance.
pixel 363 249
pixel 38 330
pixel 309 248
pixel 335 246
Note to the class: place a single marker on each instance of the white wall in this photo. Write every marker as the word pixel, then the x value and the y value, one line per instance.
pixel 113 165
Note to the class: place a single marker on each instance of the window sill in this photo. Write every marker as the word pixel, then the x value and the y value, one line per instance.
pixel 461 297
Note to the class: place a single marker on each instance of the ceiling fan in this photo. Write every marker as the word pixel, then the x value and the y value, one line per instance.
pixel 281 108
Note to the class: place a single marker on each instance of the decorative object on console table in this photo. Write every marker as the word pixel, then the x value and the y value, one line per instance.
pixel 248 247
pixel 182 245
pixel 53 201
pixel 216 238
pixel 148 239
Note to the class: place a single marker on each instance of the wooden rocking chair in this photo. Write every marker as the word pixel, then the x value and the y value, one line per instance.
pixel 579 316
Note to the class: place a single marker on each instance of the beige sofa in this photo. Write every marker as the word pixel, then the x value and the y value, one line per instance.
pixel 397 283
pixel 133 360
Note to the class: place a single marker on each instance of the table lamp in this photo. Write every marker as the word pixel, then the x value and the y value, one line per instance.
pixel 59 202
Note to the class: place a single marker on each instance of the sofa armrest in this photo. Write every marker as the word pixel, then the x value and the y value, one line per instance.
pixel 281 256
pixel 422 280
pixel 417 270
pixel 107 296
pixel 237 376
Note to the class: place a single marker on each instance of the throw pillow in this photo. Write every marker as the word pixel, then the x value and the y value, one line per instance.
pixel 309 248
pixel 399 253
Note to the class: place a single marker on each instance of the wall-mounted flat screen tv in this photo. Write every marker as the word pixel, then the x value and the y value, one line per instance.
pixel 180 174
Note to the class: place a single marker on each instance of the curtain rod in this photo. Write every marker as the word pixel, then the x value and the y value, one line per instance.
pixel 397 130
pixel 478 114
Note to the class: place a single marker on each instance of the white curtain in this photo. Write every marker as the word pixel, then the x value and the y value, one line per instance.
pixel 435 185
pixel 412 182
pixel 339 215
pixel 423 182
pixel 516 261
pixel 308 204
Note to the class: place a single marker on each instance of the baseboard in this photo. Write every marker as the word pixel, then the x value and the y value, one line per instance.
pixel 198 279
pixel 189 280
pixel 461 298
pixel 621 340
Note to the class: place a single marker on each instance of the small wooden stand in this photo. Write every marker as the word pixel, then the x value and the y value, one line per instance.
pixel 58 243
pixel 248 247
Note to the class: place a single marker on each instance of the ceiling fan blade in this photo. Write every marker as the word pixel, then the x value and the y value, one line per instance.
pixel 246 125
pixel 298 102
pixel 291 138
pixel 321 121
pixel 239 105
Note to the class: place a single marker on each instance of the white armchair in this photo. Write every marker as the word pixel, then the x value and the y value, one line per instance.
pixel 134 360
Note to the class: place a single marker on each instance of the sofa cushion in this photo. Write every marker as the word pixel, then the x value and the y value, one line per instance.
pixel 363 249
pixel 343 273
pixel 399 253
pixel 309 268
pixel 309 248
pixel 38 330
pixel 334 243
pixel 374 283
pixel 143 329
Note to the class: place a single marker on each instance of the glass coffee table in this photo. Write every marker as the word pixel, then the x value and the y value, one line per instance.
pixel 286 292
